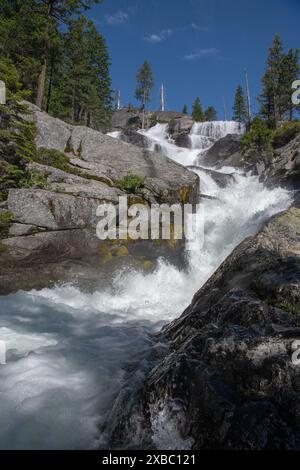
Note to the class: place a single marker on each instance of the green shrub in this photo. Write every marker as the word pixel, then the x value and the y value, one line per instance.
pixel 17 131
pixel 12 176
pixel 53 158
pixel 56 159
pixel 287 132
pixel 258 141
pixel 33 179
pixel 6 218
pixel 131 183
pixel 2 248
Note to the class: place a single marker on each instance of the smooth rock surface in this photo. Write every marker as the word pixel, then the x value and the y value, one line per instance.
pixel 225 152
pixel 228 381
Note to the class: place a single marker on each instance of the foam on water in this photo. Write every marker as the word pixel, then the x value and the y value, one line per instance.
pixel 160 141
pixel 115 134
pixel 69 351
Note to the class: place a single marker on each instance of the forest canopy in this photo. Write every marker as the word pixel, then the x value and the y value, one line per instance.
pixel 60 57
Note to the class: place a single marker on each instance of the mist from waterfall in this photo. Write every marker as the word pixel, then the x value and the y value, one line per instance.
pixel 70 352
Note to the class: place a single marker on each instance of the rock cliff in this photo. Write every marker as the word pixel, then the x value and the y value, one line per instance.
pixel 228 381
pixel 56 224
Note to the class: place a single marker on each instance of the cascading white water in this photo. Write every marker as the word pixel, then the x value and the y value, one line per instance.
pixel 160 141
pixel 204 134
pixel 69 350
pixel 115 134
pixel 216 130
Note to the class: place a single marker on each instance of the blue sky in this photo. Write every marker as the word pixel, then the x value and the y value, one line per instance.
pixel 195 47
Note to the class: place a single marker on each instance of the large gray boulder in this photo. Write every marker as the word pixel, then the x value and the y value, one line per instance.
pixel 228 381
pixel 131 136
pixel 183 140
pixel 55 220
pixel 126 117
pixel 52 133
pixel 284 167
pixel 115 159
pixel 222 179
pixel 53 210
pixel 225 152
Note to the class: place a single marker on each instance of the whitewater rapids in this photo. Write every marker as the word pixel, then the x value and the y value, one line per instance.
pixel 69 352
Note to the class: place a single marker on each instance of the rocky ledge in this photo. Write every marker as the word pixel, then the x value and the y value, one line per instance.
pixel 282 167
pixel 228 380
pixel 285 167
pixel 52 235
pixel 225 152
pixel 128 122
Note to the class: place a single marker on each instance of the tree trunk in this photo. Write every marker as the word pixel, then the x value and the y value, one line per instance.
pixel 50 85
pixel 88 119
pixel 41 85
pixel 42 76
pixel 276 113
pixel 249 103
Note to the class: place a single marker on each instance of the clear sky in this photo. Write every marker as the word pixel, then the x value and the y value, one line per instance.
pixel 195 47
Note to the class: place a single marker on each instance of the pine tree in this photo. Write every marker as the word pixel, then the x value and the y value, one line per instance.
pixel 197 114
pixel 17 133
pixel 185 109
pixel 77 58
pixel 211 114
pixel 239 109
pixel 30 31
pixel 54 13
pixel 289 73
pixel 145 84
pixel 82 84
pixel 282 69
pixel 272 84
pixel 20 40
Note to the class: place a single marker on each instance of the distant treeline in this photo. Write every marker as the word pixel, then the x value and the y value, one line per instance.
pixel 275 100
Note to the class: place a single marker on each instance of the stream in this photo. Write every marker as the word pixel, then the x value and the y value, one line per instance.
pixel 69 352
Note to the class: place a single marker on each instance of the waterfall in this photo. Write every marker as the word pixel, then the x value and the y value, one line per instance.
pixel 204 134
pixel 160 141
pixel 70 351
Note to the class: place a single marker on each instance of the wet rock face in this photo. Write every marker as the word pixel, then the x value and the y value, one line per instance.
pixel 183 140
pixel 228 381
pixel 225 152
pixel 285 166
pixel 222 179
pixel 131 136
